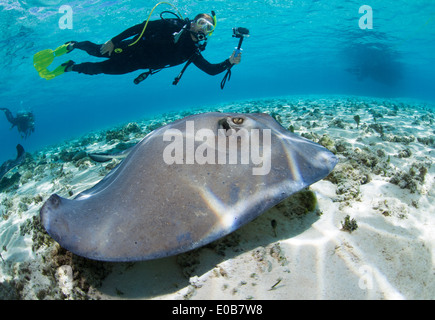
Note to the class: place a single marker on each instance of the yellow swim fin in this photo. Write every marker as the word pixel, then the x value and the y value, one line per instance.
pixel 43 59
pixel 48 75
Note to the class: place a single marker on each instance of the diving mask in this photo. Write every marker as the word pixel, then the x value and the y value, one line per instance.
pixel 205 25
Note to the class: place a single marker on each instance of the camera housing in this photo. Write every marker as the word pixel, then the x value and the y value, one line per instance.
pixel 240 32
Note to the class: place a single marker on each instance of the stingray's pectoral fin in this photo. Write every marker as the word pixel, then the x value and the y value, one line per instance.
pixel 53 217
pixel 49 207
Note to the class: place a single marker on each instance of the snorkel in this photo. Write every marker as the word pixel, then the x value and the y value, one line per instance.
pixel 213 14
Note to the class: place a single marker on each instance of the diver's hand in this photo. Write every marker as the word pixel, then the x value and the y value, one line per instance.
pixel 107 48
pixel 237 59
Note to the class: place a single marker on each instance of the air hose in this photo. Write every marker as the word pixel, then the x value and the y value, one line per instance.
pixel 149 17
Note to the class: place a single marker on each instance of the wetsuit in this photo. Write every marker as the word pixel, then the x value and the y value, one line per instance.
pixel 155 50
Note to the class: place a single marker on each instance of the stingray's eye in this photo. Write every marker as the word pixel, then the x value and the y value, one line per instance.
pixel 238 120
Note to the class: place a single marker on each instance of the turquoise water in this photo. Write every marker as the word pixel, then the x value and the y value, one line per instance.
pixel 296 48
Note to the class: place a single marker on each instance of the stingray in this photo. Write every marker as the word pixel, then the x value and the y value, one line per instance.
pixel 185 185
pixel 10 164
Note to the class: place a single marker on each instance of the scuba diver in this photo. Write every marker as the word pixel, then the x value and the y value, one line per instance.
pixel 24 121
pixel 155 45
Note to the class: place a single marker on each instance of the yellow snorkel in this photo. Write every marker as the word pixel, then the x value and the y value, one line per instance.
pixel 213 14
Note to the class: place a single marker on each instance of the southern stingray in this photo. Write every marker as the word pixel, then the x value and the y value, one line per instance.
pixel 185 185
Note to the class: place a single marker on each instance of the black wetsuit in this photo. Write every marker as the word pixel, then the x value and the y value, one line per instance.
pixel 155 50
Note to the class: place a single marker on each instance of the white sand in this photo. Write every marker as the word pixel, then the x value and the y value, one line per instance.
pixel 391 255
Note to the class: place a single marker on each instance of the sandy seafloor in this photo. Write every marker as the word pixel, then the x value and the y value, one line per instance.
pixel 384 181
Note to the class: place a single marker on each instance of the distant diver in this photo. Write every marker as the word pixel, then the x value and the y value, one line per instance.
pixel 24 121
pixel 10 164
pixel 155 45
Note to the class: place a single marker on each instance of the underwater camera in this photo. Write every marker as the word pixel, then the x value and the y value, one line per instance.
pixel 240 32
